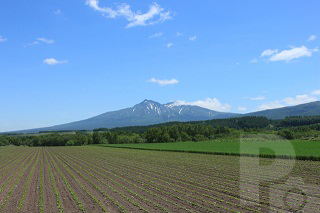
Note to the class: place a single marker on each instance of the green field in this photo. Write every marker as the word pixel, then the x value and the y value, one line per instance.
pixel 301 148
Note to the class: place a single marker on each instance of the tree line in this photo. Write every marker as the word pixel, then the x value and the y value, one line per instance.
pixel 307 128
pixel 49 139
pixel 175 133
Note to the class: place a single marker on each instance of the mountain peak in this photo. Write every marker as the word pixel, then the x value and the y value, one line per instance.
pixel 175 104
pixel 148 102
pixel 148 107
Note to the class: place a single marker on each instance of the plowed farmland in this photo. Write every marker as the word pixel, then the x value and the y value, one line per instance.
pixel 101 179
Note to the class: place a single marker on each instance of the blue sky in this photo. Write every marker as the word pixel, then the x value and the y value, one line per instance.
pixel 62 61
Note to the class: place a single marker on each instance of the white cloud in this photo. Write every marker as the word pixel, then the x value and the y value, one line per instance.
pixel 193 38
pixel 164 82
pixel 53 61
pixel 45 40
pixel 169 45
pixel 33 43
pixel 293 53
pixel 299 99
pixel 209 103
pixel 41 40
pixel 155 15
pixel 269 52
pixel 242 109
pixel 253 61
pixel 95 5
pixel 271 105
pixel 312 38
pixel 57 12
pixel 156 35
pixel 316 92
pixel 179 34
pixel 259 98
pixel 3 39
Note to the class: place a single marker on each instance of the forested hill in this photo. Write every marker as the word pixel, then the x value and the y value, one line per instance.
pixel 249 122
pixel 235 123
pixel 309 109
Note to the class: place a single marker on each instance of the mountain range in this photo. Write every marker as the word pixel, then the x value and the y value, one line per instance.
pixel 308 109
pixel 150 112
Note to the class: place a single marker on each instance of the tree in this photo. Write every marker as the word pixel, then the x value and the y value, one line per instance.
pixel 185 137
pixel 70 143
pixel 287 134
pixel 97 138
pixel 199 137
pixel 81 139
pixel 3 141
pixel 112 137
pixel 165 137
pixel 222 130
pixel 153 135
pixel 174 133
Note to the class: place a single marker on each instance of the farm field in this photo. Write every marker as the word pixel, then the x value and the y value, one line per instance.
pixel 102 179
pixel 302 148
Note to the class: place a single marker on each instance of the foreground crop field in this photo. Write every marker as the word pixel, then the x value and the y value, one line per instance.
pixel 101 179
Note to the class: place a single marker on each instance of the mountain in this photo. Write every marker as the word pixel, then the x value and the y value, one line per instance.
pixel 309 109
pixel 147 112
pixel 150 112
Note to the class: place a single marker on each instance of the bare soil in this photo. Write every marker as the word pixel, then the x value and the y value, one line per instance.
pixel 143 181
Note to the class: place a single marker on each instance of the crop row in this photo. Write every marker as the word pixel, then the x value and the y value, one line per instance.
pixel 22 162
pixel 94 179
pixel 222 180
pixel 19 172
pixel 128 198
pixel 157 181
pixel 41 209
pixel 11 165
pixel 169 187
pixel 80 184
pixel 27 183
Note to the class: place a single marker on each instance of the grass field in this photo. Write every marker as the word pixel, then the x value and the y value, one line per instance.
pixel 302 148
pixel 102 179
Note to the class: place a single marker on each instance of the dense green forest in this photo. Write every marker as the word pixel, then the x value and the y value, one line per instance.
pixel 305 128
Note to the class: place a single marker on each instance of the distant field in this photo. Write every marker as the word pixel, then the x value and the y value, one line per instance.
pixel 302 148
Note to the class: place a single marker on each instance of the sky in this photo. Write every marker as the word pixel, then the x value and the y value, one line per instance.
pixel 67 60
